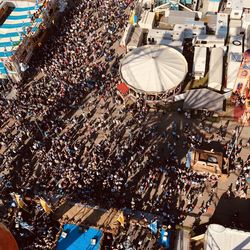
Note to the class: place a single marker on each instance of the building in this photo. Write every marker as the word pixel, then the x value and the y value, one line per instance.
pixel 222 25
pixel 136 39
pixel 24 28
pixel 209 41
pixel 179 17
pixel 215 75
pixel 213 6
pixel 247 39
pixel 163 37
pixel 234 59
pixel 245 20
pixel 147 20
pixel 126 35
pixel 188 30
pixel 199 62
pixel 207 161
pixel 242 80
pixel 237 8
pixel 235 27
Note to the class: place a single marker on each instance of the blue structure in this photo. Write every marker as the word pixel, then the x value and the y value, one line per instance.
pixel 164 241
pixel 78 240
pixel 153 227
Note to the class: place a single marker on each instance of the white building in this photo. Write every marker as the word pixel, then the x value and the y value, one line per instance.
pixel 126 35
pixel 136 39
pixel 235 27
pixel 147 20
pixel 215 76
pixel 236 7
pixel 180 17
pixel 157 36
pixel 199 62
pixel 234 59
pixel 213 6
pixel 188 30
pixel 222 25
pixel 163 37
pixel 209 41
pixel 245 20
pixel 247 39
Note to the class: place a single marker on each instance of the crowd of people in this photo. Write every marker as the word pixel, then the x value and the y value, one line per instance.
pixel 67 135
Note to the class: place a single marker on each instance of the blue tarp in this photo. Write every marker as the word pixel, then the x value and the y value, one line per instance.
pixel 153 227
pixel 78 240
pixel 165 240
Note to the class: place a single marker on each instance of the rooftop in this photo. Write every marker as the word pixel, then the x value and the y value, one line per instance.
pixel 21 21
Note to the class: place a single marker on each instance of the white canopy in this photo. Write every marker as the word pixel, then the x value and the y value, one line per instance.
pixel 154 68
pixel 203 99
pixel 218 237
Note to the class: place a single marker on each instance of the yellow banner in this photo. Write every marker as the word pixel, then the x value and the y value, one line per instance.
pixel 131 19
pixel 121 219
pixel 19 201
pixel 45 206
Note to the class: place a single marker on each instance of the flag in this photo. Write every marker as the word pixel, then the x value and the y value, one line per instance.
pixel 45 206
pixel 188 159
pixel 153 227
pixel 131 19
pixel 19 201
pixel 121 219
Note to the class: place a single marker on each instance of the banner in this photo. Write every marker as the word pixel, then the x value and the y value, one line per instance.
pixel 131 19
pixel 45 206
pixel 121 219
pixel 19 201
pixel 188 159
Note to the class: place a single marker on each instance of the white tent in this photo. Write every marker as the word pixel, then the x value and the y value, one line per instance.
pixel 154 68
pixel 203 99
pixel 218 237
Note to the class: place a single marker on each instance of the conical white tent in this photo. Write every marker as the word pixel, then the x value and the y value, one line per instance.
pixel 154 68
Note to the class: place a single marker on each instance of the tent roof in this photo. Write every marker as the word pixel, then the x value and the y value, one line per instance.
pixel 203 99
pixel 154 68
pixel 219 237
